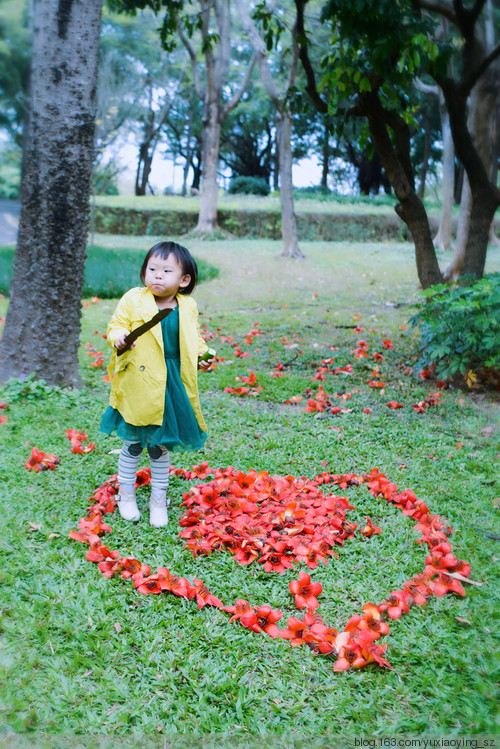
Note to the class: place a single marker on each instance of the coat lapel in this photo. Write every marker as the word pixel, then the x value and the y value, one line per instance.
pixel 148 310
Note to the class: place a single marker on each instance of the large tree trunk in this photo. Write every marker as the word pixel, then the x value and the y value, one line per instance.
pixel 43 320
pixel 207 218
pixel 476 205
pixel 442 240
pixel 288 221
pixel 397 164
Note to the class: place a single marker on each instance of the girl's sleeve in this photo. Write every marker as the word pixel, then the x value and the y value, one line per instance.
pixel 120 322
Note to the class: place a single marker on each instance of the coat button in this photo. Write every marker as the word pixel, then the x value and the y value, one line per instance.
pixel 142 367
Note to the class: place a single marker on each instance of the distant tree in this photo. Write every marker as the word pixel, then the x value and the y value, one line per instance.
pixel 279 93
pixel 247 137
pixel 377 50
pixel 214 88
pixel 42 327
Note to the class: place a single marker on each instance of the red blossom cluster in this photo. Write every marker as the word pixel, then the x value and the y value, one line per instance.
pixel 76 439
pixel 274 520
pixel 249 388
pixel 279 370
pixel 3 406
pixel 325 370
pixel 98 356
pixel 40 461
pixel 422 406
pixel 253 333
pixel 248 340
pixel 208 335
pixel 290 508
pixel 361 350
pixel 323 402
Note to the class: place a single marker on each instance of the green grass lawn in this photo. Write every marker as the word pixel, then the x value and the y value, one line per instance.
pixel 84 655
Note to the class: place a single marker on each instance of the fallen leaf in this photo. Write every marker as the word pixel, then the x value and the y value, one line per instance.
pixel 87 673
pixel 464 621
pixel 487 431
pixel 54 535
pixel 465 579
pixel 33 527
pixel 118 627
pixel 112 709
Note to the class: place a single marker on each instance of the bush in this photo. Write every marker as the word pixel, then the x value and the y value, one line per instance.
pixel 459 327
pixel 249 186
pixel 109 273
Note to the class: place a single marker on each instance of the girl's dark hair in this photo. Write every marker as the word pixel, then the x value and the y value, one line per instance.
pixel 183 257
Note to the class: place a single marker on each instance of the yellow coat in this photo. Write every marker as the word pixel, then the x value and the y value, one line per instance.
pixel 139 376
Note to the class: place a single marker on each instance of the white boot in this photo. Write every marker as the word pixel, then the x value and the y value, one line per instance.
pixel 158 514
pixel 125 499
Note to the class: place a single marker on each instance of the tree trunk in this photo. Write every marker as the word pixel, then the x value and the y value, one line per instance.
pixel 288 221
pixel 397 164
pixel 43 320
pixel 473 209
pixel 207 218
pixel 143 169
pixel 427 153
pixel 325 157
pixel 442 240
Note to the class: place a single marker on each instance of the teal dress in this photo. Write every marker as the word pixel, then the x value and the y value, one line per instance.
pixel 180 429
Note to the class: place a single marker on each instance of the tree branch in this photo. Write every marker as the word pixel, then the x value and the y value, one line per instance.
pixel 467 84
pixel 302 43
pixel 260 50
pixel 426 88
pixel 194 65
pixel 239 93
pixel 443 7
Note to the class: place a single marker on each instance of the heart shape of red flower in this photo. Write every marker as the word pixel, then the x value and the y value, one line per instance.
pixel 279 521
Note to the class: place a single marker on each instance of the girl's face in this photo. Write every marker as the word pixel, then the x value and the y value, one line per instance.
pixel 165 276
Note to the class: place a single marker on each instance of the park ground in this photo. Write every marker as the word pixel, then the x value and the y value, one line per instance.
pixel 81 654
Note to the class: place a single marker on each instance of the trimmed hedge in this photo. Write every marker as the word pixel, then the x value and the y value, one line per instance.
pixel 109 272
pixel 253 224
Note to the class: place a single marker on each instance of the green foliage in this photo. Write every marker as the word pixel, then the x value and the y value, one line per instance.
pixel 171 8
pixel 460 326
pixel 33 389
pixel 10 172
pixel 109 272
pixel 15 53
pixel 104 179
pixel 249 186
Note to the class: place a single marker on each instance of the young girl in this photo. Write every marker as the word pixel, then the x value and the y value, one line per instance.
pixel 154 401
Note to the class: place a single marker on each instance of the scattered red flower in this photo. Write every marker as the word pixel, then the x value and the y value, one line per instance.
pixel 305 592
pixel 40 461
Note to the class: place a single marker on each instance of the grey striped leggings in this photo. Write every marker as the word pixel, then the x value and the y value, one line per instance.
pixel 128 463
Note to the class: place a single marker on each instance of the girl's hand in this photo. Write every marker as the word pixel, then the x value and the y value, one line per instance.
pixel 120 342
pixel 205 365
